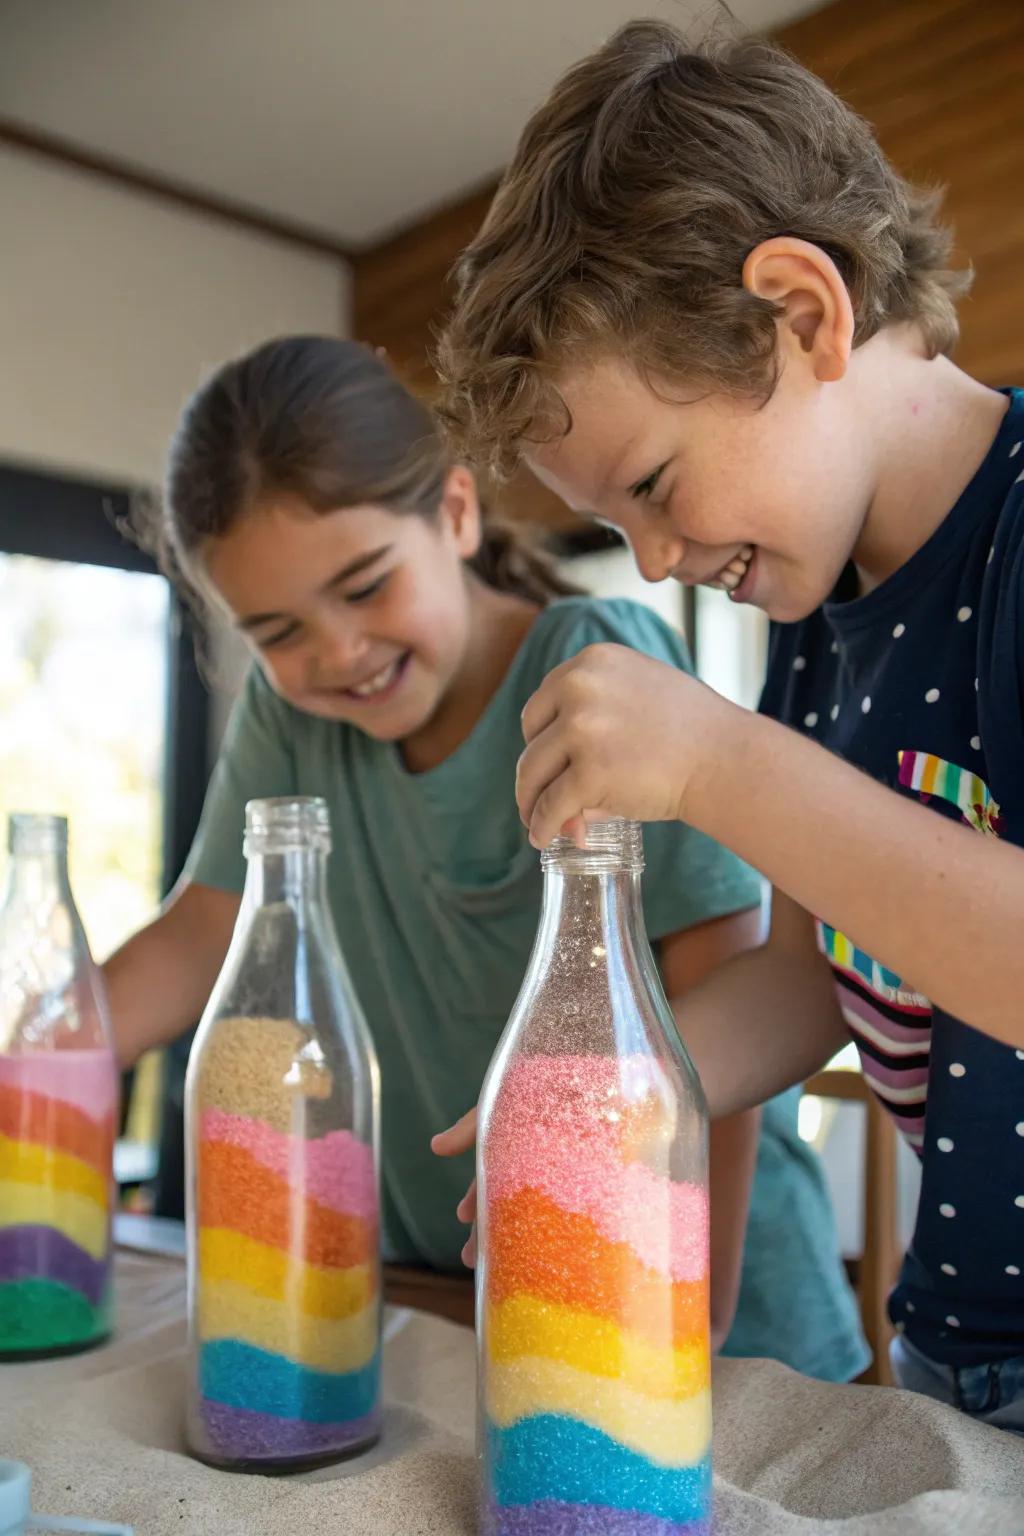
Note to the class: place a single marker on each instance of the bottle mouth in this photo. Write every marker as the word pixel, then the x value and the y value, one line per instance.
pixel 30 832
pixel 613 844
pixel 287 822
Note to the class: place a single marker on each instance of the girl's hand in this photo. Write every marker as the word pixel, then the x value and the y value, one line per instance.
pixel 616 733
pixel 450 1143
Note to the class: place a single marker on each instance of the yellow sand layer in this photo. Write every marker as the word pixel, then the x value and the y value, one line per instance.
pixel 524 1325
pixel 673 1434
pixel 77 1216
pixel 272 1273
pixel 27 1162
pixel 228 1310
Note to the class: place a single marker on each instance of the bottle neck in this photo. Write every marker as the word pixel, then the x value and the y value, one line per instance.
pixel 295 877
pixel 38 876
pixel 590 918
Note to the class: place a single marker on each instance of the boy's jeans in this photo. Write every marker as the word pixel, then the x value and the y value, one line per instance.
pixel 992 1393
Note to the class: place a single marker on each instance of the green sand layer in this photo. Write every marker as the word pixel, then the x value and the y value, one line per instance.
pixel 43 1314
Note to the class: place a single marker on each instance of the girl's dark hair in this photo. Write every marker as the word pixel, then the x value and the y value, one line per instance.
pixel 327 422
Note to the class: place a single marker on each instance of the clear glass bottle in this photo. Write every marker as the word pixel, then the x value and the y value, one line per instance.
pixel 592 1276
pixel 59 1092
pixel 282 1134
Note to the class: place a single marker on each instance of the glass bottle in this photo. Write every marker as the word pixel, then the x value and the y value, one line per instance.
pixel 282 1149
pixel 592 1277
pixel 59 1091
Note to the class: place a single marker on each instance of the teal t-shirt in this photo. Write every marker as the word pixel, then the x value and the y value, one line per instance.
pixel 435 893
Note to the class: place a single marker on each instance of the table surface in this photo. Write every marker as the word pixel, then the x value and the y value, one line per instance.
pixel 102 1432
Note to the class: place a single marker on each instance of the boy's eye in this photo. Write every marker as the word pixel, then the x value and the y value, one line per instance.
pixel 643 488
pixel 363 593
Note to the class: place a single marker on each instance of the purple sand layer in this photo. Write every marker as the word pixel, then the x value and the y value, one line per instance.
pixel 554 1517
pixel 247 1435
pixel 42 1253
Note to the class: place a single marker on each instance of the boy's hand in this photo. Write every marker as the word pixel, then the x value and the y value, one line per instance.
pixel 459 1138
pixel 614 732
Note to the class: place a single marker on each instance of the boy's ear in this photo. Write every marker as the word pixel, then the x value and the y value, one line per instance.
pixel 460 510
pixel 815 310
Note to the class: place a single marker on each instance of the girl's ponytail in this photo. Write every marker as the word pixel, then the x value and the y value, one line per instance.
pixel 511 560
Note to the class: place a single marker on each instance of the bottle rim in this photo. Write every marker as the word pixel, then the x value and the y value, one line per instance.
pixel 610 844
pixel 283 822
pixel 36 832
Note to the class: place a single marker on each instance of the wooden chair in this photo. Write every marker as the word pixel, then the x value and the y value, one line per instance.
pixel 875 1270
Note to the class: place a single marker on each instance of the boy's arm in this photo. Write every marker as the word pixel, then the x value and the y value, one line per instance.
pixel 939 904
pixel 936 902
pixel 685 959
pixel 764 1020
pixel 158 983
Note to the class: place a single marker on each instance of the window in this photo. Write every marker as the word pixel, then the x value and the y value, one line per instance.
pixel 104 714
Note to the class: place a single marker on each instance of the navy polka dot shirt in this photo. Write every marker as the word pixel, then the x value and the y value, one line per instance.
pixel 921 684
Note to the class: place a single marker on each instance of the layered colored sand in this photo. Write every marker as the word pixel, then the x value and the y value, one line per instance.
pixel 287 1276
pixel 596 1356
pixel 58 1119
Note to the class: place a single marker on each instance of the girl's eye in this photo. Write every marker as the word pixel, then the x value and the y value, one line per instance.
pixel 271 642
pixel 364 592
pixel 643 488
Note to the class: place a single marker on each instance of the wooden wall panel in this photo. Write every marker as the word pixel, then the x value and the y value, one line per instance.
pixel 943 83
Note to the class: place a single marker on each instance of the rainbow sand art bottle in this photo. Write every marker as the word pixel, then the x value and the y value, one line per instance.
pixel 59 1090
pixel 282 1138
pixel 592 1282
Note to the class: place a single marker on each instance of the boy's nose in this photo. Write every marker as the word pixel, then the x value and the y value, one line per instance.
pixel 657 558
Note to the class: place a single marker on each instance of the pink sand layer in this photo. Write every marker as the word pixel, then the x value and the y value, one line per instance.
pixel 336 1169
pixel 552 1130
pixel 86 1079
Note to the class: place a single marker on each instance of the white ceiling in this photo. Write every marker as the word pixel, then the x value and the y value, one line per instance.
pixel 351 117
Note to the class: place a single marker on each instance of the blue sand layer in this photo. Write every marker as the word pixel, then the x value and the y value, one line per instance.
pixel 241 1376
pixel 550 1456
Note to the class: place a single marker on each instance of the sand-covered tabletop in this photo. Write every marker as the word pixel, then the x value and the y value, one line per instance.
pixel 103 1434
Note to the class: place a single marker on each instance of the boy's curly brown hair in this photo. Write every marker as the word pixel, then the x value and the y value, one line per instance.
pixel 622 225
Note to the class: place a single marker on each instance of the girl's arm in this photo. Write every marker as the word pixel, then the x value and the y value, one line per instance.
pixel 939 904
pixel 685 959
pixel 159 982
